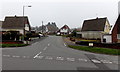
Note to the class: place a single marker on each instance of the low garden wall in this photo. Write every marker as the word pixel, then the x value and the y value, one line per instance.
pixel 108 45
pixel 102 45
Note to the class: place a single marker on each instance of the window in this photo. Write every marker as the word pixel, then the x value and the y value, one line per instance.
pixel 26 25
pixel 118 36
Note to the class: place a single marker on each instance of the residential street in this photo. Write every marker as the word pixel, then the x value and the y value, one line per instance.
pixel 51 53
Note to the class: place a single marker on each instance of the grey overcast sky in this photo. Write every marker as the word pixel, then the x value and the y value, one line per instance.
pixel 70 12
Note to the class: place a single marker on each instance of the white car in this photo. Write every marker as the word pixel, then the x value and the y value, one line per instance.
pixel 41 35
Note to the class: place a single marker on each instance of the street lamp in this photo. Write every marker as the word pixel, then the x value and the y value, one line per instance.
pixel 23 17
pixel 24 8
pixel 42 27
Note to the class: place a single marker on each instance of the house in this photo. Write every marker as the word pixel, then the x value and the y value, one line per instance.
pixel 95 28
pixel 40 29
pixel 116 31
pixel 49 28
pixel 64 30
pixel 15 24
pixel 1 22
pixel 107 38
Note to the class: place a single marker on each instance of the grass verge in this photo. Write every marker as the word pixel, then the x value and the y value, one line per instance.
pixel 13 45
pixel 97 50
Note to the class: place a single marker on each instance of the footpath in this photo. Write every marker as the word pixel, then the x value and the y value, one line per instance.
pixel 69 42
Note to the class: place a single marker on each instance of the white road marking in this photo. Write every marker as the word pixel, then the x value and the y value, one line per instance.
pixel 116 62
pixel 45 48
pixel 60 58
pixel 17 56
pixel 24 56
pixel 7 55
pixel 106 61
pixel 82 59
pixel 95 61
pixel 65 44
pixel 40 57
pixel 48 44
pixel 37 54
pixel 14 56
pixel 48 57
pixel 71 59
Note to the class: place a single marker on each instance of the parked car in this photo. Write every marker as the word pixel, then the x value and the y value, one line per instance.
pixel 41 35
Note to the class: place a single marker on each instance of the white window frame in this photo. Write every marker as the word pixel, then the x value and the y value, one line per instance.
pixel 118 36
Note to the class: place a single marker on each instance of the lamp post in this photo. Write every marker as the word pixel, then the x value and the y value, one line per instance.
pixel 42 27
pixel 23 18
pixel 24 8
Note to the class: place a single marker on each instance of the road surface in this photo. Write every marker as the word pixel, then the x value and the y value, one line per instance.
pixel 52 53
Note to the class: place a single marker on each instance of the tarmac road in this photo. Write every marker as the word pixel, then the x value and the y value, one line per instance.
pixel 52 53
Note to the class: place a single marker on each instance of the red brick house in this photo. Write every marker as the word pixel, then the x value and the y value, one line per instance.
pixel 116 31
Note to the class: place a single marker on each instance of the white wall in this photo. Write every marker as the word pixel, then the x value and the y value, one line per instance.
pixel 107 27
pixel 27 27
pixel 91 34
pixel 64 30
pixel 108 38
pixel 21 31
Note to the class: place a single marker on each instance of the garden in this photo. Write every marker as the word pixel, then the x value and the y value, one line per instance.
pixel 15 39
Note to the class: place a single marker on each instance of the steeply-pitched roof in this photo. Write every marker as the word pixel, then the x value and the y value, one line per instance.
pixel 118 21
pixel 52 28
pixel 117 25
pixel 14 22
pixel 65 27
pixel 97 24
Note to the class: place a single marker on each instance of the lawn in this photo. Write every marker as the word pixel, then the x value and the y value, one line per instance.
pixel 97 50
pixel 13 45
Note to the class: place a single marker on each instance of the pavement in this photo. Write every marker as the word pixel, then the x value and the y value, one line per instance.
pixel 69 42
pixel 52 53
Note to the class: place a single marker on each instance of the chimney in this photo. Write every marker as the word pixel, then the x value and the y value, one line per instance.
pixel 15 16
pixel 97 18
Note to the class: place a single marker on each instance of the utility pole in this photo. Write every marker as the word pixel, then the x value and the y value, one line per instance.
pixel 42 27
pixel 24 20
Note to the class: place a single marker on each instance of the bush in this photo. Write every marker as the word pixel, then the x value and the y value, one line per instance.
pixel 6 36
pixel 11 35
pixel 97 44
